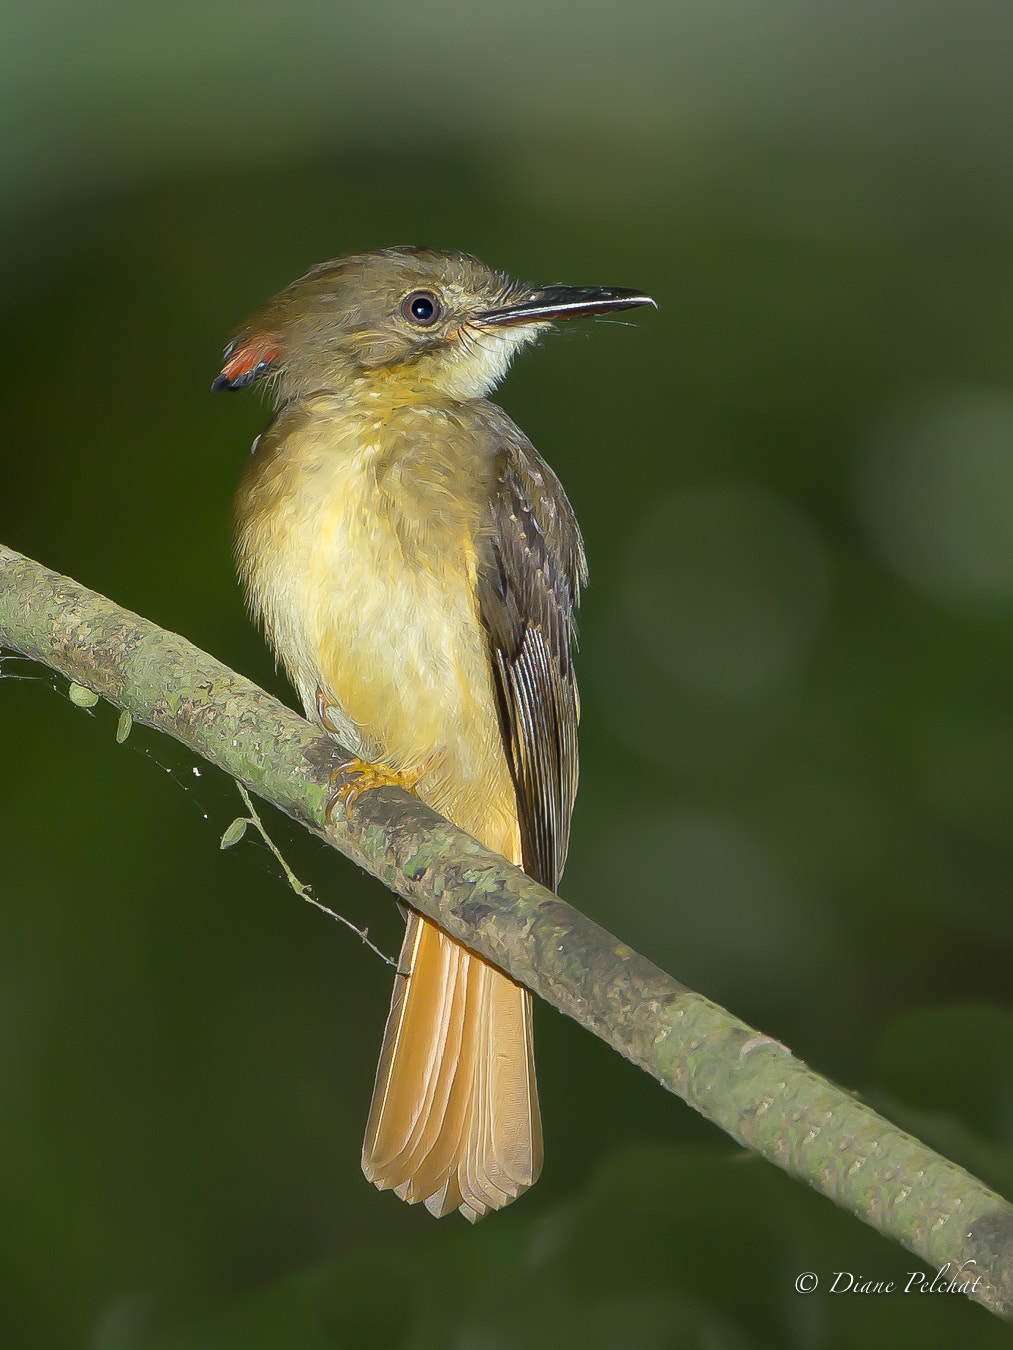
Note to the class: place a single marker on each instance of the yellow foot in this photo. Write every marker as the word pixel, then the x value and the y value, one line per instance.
pixel 367 778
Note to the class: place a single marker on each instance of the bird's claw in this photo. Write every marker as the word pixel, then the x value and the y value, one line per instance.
pixel 365 777
pixel 323 707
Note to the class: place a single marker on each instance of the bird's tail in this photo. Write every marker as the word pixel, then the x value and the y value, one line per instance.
pixel 454 1120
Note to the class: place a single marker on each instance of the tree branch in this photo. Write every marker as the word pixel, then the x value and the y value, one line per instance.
pixel 748 1084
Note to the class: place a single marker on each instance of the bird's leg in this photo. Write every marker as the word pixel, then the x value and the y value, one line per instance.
pixel 367 777
pixel 357 776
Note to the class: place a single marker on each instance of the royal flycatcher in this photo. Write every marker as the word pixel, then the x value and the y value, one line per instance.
pixel 416 566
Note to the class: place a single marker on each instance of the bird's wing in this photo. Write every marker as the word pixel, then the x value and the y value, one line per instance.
pixel 529 583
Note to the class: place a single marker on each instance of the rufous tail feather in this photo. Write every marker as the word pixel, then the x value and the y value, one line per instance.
pixel 454 1120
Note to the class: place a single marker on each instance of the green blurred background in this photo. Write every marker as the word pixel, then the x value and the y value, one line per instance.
pixel 796 483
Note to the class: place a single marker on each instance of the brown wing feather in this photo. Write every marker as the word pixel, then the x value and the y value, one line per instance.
pixel 529 587
pixel 454 1120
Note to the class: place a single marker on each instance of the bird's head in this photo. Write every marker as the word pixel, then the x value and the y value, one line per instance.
pixel 426 320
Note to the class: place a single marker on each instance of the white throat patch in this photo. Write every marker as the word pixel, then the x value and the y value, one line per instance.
pixel 474 364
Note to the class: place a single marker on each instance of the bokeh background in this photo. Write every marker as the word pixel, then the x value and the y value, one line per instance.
pixel 796 483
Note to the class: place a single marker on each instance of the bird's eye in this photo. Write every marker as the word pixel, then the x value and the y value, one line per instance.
pixel 421 308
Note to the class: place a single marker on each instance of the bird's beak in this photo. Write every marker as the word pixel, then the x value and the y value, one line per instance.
pixel 563 302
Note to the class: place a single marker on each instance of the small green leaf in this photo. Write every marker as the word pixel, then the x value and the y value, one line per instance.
pixel 82 697
pixel 235 832
pixel 123 727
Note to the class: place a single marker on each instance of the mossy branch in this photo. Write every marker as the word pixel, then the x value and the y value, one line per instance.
pixel 748 1084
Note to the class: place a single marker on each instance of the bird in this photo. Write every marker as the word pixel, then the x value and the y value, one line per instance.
pixel 416 567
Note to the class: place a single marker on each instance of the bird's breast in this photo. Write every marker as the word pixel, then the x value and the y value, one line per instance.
pixel 359 538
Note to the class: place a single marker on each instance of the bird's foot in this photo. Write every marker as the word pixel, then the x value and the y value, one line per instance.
pixel 366 777
pixel 323 710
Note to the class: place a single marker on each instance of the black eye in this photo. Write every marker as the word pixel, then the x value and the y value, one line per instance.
pixel 421 308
